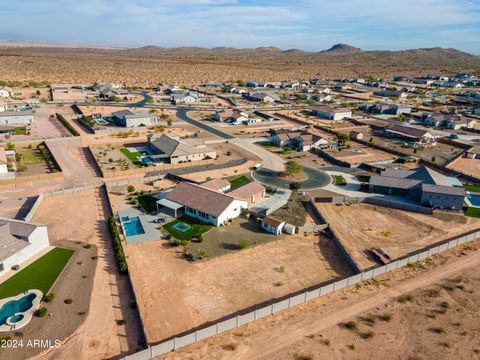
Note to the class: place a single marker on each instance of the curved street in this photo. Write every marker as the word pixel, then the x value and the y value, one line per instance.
pixel 316 178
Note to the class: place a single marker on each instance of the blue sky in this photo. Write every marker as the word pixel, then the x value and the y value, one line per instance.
pixel 304 24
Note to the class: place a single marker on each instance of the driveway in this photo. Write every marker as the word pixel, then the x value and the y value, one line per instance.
pixel 316 178
pixel 270 160
pixel 272 203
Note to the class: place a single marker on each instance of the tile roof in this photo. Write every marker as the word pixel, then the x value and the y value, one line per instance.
pixel 216 184
pixel 444 190
pixel 398 183
pixel 407 131
pixel 200 198
pixel 247 190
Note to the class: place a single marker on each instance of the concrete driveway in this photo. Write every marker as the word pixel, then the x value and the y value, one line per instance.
pixel 270 160
pixel 272 203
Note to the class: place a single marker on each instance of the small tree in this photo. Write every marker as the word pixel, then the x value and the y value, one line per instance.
pixel 293 167
pixel 434 159
pixel 130 188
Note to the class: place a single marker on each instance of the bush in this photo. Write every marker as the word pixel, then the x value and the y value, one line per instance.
pixel 131 188
pixel 121 322
pixel 184 242
pixel 41 312
pixel 176 242
pixel 351 325
pixel 49 297
pixel 117 246
pixel 68 301
pixel 295 186
pixel 244 243
pixel 67 125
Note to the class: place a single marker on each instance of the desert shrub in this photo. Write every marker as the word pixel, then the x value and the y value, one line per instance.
pixel 49 297
pixel 68 301
pixel 244 243
pixel 121 322
pixel 367 335
pixel 117 246
pixel 405 298
pixel 41 312
pixel 385 317
pixel 350 325
pixel 184 242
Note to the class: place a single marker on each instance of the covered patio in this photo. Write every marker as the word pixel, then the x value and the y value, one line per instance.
pixel 171 208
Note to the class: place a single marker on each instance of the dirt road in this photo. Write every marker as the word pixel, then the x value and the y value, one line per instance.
pixel 273 341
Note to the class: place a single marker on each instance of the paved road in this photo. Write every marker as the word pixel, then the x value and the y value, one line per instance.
pixel 316 178
pixel 182 115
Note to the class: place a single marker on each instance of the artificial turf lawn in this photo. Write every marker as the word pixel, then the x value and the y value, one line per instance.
pixel 473 212
pixel 132 156
pixel 32 156
pixel 239 181
pixel 196 230
pixel 21 130
pixel 340 180
pixel 472 188
pixel 41 274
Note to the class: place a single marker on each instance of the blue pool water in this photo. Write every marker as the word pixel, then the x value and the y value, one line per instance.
pixel 132 226
pixel 13 307
pixel 474 199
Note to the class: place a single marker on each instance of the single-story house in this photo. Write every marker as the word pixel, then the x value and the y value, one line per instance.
pixel 263 97
pixel 19 241
pixel 321 97
pixel 424 185
pixel 272 225
pixel 134 118
pixel 251 192
pixel 230 115
pixel 386 108
pixel 409 133
pixel 446 120
pixel 185 97
pixel 299 140
pixel 221 185
pixel 331 113
pixel 174 151
pixel 5 92
pixel 203 204
pixel 3 161
pixel 356 135
pixel 391 93
pixel 16 117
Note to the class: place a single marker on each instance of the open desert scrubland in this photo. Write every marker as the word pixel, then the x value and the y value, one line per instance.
pixel 149 65
pixel 425 311
pixel 175 295
pixel 361 227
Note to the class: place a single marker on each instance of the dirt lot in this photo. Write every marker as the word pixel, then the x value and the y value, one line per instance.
pixel 358 153
pixel 467 166
pixel 362 226
pixel 82 217
pixel 312 330
pixel 175 295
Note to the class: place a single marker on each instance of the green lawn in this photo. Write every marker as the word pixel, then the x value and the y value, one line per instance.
pixel 32 156
pixel 339 180
pixel 147 202
pixel 472 188
pixel 473 212
pixel 133 156
pixel 41 274
pixel 22 130
pixel 239 181
pixel 196 230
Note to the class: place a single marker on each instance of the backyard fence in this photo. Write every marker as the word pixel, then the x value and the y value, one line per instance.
pixel 295 299
pixel 31 213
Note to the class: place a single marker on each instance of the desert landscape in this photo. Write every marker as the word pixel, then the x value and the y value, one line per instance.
pixel 149 65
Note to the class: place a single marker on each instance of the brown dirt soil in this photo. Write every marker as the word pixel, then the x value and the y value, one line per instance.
pixel 312 331
pixel 362 226
pixel 467 166
pixel 175 295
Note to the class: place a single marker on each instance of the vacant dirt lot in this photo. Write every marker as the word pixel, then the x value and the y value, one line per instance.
pixel 358 154
pixel 175 295
pixel 467 166
pixel 82 217
pixel 401 330
pixel 361 227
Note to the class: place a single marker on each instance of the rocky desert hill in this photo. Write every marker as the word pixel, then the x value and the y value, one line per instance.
pixel 149 65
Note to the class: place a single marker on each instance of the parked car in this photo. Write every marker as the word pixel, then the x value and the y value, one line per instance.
pixel 453 136
pixel 16 267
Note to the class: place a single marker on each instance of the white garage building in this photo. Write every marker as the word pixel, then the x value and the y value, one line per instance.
pixel 16 117
pixel 19 241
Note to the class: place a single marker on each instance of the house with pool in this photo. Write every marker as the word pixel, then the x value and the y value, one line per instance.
pixel 19 241
pixel 208 203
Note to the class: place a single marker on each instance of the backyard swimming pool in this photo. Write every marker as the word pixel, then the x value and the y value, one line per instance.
pixel 474 199
pixel 11 311
pixel 132 226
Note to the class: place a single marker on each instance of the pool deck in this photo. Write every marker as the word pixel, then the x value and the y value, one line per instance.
pixel 27 315
pixel 148 223
pixel 467 200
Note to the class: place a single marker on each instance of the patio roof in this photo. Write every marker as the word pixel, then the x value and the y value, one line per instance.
pixel 169 204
